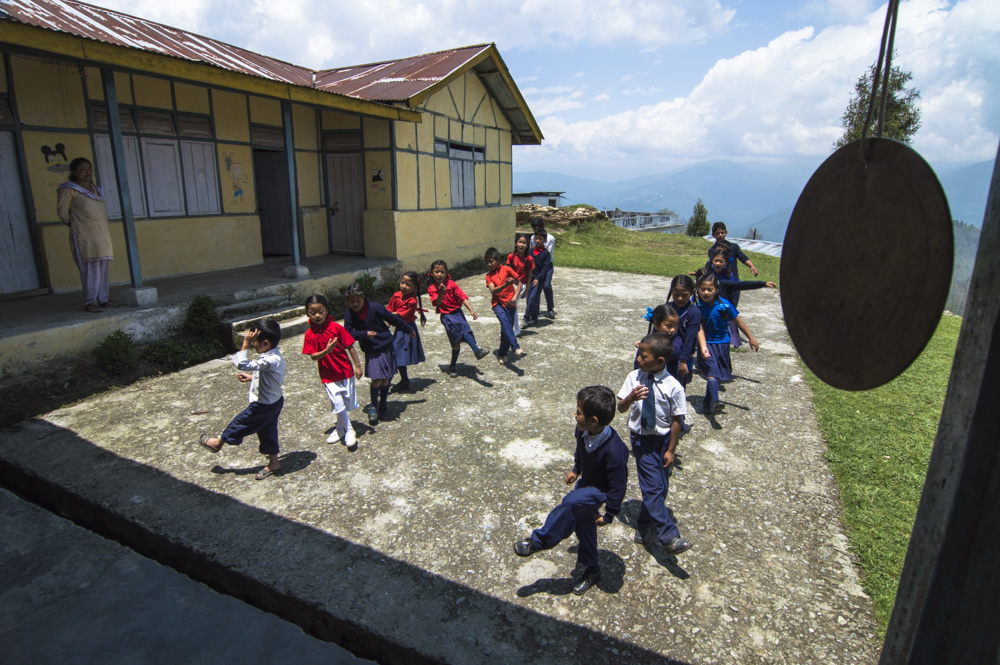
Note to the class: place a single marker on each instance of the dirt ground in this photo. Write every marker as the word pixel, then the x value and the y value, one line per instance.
pixel 402 550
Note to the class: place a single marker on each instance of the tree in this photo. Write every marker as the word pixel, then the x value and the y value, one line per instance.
pixel 902 117
pixel 698 223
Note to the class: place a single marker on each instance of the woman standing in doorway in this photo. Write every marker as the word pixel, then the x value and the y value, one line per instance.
pixel 81 207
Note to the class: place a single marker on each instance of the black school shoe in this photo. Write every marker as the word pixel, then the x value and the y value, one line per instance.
pixel 525 547
pixel 677 545
pixel 588 580
pixel 372 416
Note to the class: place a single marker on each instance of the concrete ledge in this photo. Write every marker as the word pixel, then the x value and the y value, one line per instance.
pixel 142 297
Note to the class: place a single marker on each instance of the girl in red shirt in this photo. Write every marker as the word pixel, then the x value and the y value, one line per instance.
pixel 523 264
pixel 448 299
pixel 406 304
pixel 504 286
pixel 328 343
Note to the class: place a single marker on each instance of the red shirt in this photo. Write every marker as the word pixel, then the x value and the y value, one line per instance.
pixel 451 299
pixel 405 308
pixel 334 366
pixel 494 279
pixel 521 266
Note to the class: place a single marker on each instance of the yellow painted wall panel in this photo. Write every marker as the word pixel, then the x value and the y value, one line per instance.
pixel 380 233
pixel 236 177
pixel 152 91
pixel 332 120
pixel 406 177
pixel 48 94
pixel 427 175
pixel 492 184
pixel 48 166
pixel 475 96
pixel 455 131
pixel 95 87
pixel 167 246
pixel 505 184
pixel 501 119
pixel 479 137
pixel 441 125
pixel 315 233
pixel 452 235
pixel 307 175
pixel 505 148
pixel 265 111
pixel 376 132
pixel 480 184
pixel 378 179
pixel 468 134
pixel 492 145
pixel 230 111
pixel 441 103
pixel 443 172
pixel 457 88
pixel 406 134
pixel 123 88
pixel 191 98
pixel 425 134
pixel 485 114
pixel 304 127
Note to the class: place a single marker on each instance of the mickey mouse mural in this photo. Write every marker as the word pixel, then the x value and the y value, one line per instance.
pixel 56 159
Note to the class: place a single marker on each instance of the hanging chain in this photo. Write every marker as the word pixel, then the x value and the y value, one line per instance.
pixel 884 53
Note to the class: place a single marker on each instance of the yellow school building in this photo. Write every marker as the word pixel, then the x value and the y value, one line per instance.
pixel 213 157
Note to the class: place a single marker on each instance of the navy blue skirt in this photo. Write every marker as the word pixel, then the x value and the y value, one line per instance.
pixel 380 364
pixel 409 350
pixel 719 365
pixel 456 326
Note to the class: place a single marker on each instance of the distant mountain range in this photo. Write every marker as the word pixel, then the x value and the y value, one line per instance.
pixel 744 197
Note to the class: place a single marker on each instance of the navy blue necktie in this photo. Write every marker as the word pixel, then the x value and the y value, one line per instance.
pixel 648 417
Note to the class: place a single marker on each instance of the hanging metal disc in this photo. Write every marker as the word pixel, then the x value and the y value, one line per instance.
pixel 866 264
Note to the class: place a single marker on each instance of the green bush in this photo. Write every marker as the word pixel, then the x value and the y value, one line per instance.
pixel 116 355
pixel 200 321
pixel 170 355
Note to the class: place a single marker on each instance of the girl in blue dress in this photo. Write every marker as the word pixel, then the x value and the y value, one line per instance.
pixel 716 313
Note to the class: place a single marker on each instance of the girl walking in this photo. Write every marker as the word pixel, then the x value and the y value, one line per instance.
pixel 406 304
pixel 521 261
pixel 332 347
pixel 448 299
pixel 369 323
pixel 716 313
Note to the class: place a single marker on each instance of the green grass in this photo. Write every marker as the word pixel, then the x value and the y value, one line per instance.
pixel 878 441
pixel 878 445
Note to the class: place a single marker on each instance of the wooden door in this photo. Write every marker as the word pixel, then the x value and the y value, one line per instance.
pixel 18 271
pixel 274 203
pixel 345 194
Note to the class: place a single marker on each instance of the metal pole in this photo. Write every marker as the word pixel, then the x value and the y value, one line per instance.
pixel 286 112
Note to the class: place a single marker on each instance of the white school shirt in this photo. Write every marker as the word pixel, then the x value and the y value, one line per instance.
pixel 669 395
pixel 268 374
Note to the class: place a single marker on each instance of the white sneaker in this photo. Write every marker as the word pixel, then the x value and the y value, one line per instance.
pixel 350 439
pixel 334 436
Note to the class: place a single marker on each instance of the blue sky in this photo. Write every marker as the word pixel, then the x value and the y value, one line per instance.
pixel 622 88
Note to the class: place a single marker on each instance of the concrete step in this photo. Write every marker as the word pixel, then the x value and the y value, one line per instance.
pixel 293 321
pixel 237 309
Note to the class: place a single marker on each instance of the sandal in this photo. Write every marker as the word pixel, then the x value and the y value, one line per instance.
pixel 93 308
pixel 111 303
pixel 203 440
pixel 265 472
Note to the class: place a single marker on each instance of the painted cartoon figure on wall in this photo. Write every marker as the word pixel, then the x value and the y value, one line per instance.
pixel 56 158
pixel 236 173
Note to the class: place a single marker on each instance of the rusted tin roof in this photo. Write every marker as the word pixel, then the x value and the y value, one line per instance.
pixel 408 81
pixel 411 80
pixel 111 27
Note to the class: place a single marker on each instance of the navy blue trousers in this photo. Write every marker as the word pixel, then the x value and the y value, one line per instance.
pixel 259 419
pixel 506 316
pixel 654 483
pixel 532 302
pixel 576 514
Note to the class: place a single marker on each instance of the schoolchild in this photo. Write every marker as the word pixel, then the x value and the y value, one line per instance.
pixel 549 240
pixel 504 287
pixel 716 313
pixel 448 299
pixel 368 322
pixel 407 303
pixel 662 319
pixel 735 253
pixel 539 278
pixel 689 333
pixel 523 264
pixel 600 464
pixel 266 374
pixel 730 288
pixel 655 402
pixel 332 347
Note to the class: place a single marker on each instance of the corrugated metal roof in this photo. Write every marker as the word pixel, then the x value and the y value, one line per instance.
pixel 407 81
pixel 111 27
pixel 758 246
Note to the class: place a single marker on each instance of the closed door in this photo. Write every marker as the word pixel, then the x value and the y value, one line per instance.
pixel 345 187
pixel 273 202
pixel 18 271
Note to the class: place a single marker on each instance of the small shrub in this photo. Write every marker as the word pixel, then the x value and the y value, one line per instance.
pixel 172 354
pixel 368 283
pixel 116 355
pixel 200 321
